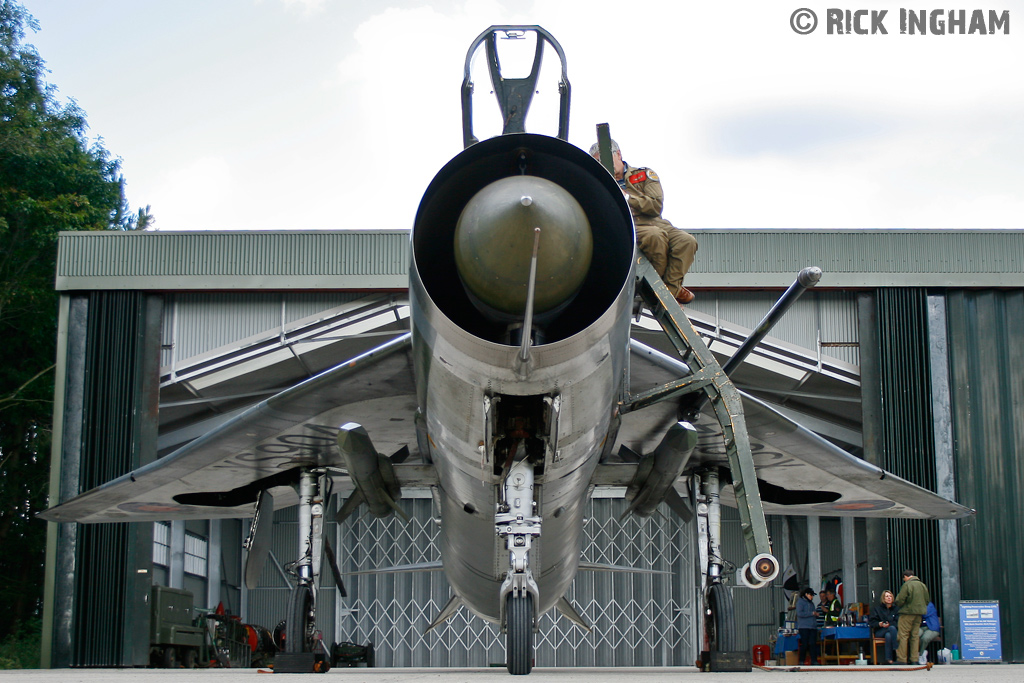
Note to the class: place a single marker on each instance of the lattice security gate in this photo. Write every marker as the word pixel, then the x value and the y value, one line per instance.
pixel 637 619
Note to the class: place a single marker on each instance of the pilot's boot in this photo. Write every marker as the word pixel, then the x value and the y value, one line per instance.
pixel 684 296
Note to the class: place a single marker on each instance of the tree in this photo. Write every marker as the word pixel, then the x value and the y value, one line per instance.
pixel 52 178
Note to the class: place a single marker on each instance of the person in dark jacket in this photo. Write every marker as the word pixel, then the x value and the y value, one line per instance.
pixel 883 620
pixel 807 626
pixel 912 600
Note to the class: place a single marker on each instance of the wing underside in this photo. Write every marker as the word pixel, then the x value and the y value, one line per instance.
pixel 799 472
pixel 219 474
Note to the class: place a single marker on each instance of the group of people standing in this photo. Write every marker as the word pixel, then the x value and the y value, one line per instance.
pixel 810 617
pixel 908 621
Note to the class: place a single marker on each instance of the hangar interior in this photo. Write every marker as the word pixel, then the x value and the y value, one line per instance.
pixel 899 356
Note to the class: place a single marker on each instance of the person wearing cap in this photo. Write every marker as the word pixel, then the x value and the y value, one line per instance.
pixel 807 626
pixel 669 249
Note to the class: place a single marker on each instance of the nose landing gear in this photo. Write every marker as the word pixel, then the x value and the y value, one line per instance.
pixel 516 522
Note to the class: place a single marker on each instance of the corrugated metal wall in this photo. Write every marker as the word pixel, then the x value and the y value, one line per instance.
pixel 830 548
pixel 986 348
pixel 638 619
pixel 906 445
pixel 828 318
pixel 195 323
pixel 757 611
pixel 348 253
pixel 341 259
pixel 117 434
pixel 916 252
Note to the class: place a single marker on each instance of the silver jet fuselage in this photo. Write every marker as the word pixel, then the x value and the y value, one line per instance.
pixel 482 406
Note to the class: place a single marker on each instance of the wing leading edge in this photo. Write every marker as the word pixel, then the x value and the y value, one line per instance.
pixel 219 474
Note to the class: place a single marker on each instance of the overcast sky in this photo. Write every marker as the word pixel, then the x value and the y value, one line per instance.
pixel 335 114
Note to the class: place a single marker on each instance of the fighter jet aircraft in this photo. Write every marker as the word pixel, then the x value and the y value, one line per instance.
pixel 515 392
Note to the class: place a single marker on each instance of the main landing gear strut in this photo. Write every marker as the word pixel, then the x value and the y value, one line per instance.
pixel 303 653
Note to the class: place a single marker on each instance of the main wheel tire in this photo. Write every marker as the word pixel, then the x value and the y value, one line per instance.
pixel 299 627
pixel 190 658
pixel 721 623
pixel 519 634
pixel 170 657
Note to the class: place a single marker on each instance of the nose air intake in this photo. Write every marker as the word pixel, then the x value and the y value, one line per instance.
pixel 473 237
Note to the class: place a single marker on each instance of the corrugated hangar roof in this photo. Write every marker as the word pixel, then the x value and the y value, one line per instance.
pixel 378 259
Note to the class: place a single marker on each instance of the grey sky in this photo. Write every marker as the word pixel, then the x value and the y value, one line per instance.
pixel 299 114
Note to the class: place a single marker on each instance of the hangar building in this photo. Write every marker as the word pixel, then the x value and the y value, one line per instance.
pixel 907 354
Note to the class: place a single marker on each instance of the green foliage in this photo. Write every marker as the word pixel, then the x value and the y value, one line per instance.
pixel 52 178
pixel 20 649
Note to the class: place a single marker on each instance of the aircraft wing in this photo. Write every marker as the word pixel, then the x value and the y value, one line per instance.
pixel 799 472
pixel 216 475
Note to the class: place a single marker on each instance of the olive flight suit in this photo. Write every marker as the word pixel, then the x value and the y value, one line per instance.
pixel 669 249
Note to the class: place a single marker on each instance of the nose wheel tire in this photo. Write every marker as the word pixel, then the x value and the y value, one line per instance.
pixel 519 634
pixel 299 627
pixel 720 624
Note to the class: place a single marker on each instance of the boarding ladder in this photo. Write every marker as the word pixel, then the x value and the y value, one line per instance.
pixel 707 377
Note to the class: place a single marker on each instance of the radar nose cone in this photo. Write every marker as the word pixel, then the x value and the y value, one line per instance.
pixel 494 245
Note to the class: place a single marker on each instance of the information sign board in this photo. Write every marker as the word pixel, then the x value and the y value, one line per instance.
pixel 980 634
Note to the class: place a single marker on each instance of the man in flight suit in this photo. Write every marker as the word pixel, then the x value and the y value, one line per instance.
pixel 669 249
